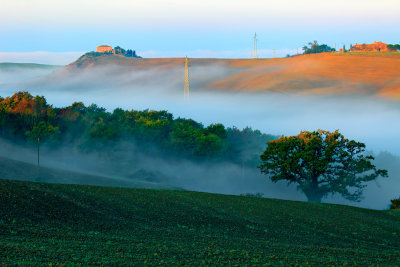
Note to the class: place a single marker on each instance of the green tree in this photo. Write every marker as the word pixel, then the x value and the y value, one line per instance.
pixel 395 203
pixel 317 48
pixel 208 146
pixel 217 129
pixel 394 47
pixel 26 118
pixel 320 163
pixel 43 132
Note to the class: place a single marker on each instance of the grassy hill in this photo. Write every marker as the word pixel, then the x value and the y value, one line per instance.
pixel 43 223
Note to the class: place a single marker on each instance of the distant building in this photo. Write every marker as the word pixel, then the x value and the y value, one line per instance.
pixel 116 51
pixel 104 49
pixel 374 47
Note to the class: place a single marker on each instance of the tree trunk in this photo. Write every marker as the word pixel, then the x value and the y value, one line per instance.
pixel 312 192
pixel 38 147
pixel 38 160
pixel 314 198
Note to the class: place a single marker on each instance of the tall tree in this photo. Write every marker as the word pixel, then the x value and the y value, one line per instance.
pixel 42 131
pixel 317 48
pixel 320 163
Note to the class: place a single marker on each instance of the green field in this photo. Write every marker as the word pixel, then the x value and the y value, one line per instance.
pixel 43 223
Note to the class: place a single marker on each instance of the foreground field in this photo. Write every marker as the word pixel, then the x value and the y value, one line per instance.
pixel 64 224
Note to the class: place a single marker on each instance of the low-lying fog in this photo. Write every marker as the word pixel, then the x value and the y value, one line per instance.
pixel 366 119
pixel 16 73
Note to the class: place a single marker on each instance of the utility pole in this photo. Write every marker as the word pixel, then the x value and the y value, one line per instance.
pixel 255 45
pixel 38 145
pixel 186 86
pixel 242 168
pixel 38 159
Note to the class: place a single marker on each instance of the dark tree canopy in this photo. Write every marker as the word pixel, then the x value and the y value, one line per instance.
pixel 320 163
pixel 395 203
pixel 92 129
pixel 117 50
pixel 394 47
pixel 317 48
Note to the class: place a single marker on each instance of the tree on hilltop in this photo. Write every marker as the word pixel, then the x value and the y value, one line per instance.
pixel 314 47
pixel 320 163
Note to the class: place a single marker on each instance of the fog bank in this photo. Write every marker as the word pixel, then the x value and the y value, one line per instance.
pixel 366 119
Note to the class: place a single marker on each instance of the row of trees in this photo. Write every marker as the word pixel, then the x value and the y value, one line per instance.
pixel 319 162
pixel 25 118
pixel 128 53
pixel 314 47
pixel 394 47
pixel 117 50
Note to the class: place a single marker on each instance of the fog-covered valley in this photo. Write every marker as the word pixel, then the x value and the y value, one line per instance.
pixel 366 118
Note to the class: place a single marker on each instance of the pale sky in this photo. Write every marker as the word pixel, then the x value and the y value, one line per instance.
pixel 222 28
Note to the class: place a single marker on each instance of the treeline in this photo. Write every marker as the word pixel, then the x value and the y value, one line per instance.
pixel 25 118
pixel 314 47
pixel 128 53
pixel 117 50
pixel 394 47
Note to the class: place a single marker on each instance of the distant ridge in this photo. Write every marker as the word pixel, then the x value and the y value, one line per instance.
pixel 12 65
pixel 337 74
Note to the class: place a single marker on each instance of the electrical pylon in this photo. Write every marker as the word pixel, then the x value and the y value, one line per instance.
pixel 255 45
pixel 186 87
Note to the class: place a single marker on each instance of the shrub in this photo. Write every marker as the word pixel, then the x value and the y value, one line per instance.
pixel 259 194
pixel 395 203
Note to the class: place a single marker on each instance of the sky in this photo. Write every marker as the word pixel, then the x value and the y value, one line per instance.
pixel 56 31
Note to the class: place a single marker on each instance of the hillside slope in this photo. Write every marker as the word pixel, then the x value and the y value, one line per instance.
pixel 66 224
pixel 8 66
pixel 331 74
pixel 13 75
pixel 321 74
pixel 19 170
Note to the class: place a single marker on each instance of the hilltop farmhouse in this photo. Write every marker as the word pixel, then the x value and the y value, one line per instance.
pixel 104 49
pixel 374 47
pixel 109 49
